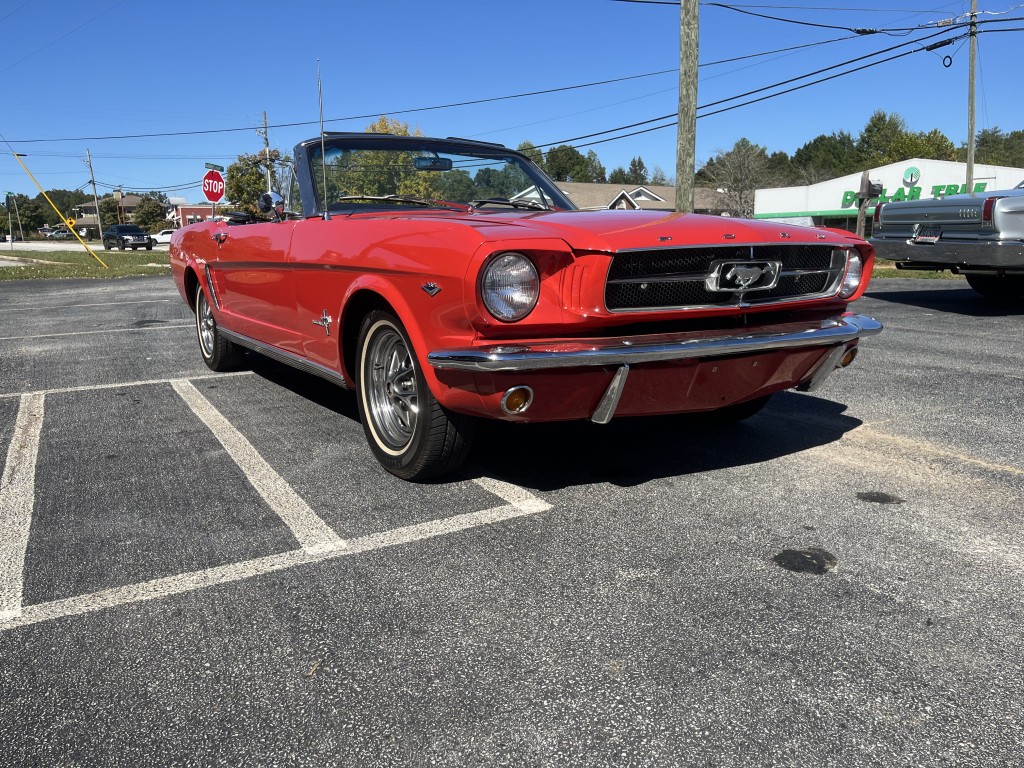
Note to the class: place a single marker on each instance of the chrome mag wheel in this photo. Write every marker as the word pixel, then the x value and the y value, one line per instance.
pixel 390 389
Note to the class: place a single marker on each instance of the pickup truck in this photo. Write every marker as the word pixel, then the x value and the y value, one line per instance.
pixel 980 236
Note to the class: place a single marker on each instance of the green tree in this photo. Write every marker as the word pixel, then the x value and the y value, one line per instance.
pixel 531 151
pixel 566 163
pixel 618 176
pixel 933 145
pixel 737 173
pixel 658 177
pixel 595 170
pixel 108 212
pixel 637 173
pixel 878 140
pixel 150 214
pixel 64 199
pixel 247 179
pixel 826 157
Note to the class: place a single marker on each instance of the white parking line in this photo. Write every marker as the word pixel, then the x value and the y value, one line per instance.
pixel 122 384
pixel 311 531
pixel 35 308
pixel 92 333
pixel 526 505
pixel 17 499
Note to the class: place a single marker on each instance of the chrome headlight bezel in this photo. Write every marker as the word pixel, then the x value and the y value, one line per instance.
pixel 509 286
pixel 854 274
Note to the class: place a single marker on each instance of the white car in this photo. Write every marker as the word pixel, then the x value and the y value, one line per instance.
pixel 163 236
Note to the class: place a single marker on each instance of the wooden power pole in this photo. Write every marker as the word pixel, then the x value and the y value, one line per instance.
pixel 970 95
pixel 686 133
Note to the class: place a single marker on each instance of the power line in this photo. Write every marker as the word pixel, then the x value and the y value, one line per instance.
pixel 376 113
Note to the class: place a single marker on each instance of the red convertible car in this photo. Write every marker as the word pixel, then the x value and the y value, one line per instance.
pixel 446 280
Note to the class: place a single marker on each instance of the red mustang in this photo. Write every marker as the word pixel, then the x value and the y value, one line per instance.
pixel 447 279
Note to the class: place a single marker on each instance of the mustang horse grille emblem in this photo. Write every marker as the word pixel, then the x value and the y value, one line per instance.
pixel 742 276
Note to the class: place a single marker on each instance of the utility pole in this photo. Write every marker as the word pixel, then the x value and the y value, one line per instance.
pixel 21 232
pixel 10 219
pixel 266 148
pixel 95 197
pixel 686 133
pixel 971 73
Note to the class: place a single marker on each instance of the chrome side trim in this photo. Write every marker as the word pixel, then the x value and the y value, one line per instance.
pixel 301 363
pixel 606 408
pixel 582 353
pixel 213 288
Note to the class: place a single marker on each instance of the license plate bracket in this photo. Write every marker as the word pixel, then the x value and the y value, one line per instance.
pixel 927 235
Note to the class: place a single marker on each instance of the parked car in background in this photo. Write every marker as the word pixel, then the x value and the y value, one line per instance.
pixel 123 236
pixel 163 236
pixel 980 236
pixel 448 280
pixel 59 234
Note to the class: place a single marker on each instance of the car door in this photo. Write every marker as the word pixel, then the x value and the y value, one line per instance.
pixel 254 282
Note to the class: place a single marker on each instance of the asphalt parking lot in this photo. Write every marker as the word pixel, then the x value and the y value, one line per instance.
pixel 201 569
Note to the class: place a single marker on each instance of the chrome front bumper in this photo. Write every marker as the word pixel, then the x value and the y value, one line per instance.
pixel 995 254
pixel 634 350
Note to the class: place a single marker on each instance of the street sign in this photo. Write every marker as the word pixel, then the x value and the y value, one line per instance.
pixel 215 167
pixel 213 186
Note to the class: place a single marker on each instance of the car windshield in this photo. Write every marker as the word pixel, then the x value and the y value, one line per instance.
pixel 129 230
pixel 365 173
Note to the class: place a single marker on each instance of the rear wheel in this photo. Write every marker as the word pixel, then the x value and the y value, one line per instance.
pixel 410 434
pixel 993 286
pixel 219 354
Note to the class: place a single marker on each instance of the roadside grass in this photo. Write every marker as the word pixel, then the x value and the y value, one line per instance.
pixel 50 264
pixel 885 268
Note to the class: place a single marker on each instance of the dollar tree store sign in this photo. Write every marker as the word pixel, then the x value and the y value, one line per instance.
pixel 911 191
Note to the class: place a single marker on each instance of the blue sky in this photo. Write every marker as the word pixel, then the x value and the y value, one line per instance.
pixel 80 71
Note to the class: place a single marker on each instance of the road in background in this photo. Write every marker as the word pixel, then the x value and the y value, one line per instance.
pixel 216 571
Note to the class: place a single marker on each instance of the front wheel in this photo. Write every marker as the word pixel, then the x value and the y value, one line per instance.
pixel 219 354
pixel 409 432
pixel 993 286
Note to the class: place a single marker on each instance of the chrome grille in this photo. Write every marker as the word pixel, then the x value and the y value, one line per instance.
pixel 677 278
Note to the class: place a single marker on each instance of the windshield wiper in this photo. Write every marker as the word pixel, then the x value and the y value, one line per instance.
pixel 531 204
pixel 389 199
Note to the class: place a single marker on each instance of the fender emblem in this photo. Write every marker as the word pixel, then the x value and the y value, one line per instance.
pixel 324 322
pixel 432 289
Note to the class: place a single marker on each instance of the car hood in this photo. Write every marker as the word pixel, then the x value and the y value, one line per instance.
pixel 618 230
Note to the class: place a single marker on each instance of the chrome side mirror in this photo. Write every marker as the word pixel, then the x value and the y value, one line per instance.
pixel 271 202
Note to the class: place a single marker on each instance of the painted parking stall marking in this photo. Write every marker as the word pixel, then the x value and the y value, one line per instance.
pixel 318 541
pixel 17 498
pixel 312 533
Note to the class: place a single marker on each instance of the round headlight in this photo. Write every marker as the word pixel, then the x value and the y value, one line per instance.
pixel 854 274
pixel 510 286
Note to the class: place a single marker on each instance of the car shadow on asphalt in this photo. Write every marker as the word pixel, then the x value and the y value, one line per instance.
pixel 625 452
pixel 961 301
pixel 631 451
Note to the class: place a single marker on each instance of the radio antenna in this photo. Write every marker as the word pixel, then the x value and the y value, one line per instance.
pixel 323 156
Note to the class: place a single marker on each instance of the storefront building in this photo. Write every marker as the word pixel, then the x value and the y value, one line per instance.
pixel 834 203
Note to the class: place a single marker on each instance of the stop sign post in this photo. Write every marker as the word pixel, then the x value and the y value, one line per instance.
pixel 213 186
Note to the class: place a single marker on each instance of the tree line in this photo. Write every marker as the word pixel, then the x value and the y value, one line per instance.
pixel 24 214
pixel 747 166
pixel 737 171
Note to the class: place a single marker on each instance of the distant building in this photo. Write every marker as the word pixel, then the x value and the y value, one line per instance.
pixel 647 197
pixel 834 203
pixel 84 214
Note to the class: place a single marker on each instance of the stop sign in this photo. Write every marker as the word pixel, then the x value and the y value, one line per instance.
pixel 213 186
